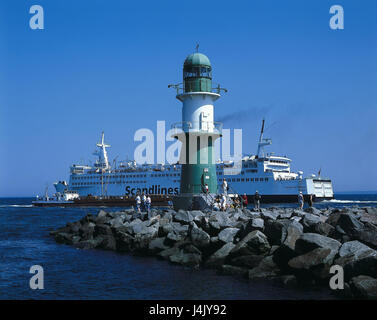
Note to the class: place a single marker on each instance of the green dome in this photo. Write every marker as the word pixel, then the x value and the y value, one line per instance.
pixel 197 59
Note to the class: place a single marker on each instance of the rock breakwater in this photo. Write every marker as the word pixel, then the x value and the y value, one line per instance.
pixel 288 245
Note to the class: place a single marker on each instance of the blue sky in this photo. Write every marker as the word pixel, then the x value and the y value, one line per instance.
pixel 105 65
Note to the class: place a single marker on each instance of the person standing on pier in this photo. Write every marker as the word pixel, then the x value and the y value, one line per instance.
pixel 310 200
pixel 138 202
pixel 257 199
pixel 244 201
pixel 223 202
pixel 149 203
pixel 225 187
pixel 143 202
pixel 300 200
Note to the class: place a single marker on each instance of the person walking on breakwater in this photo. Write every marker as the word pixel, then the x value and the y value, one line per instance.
pixel 310 200
pixel 300 200
pixel 143 202
pixel 244 201
pixel 223 202
pixel 149 203
pixel 225 186
pixel 257 198
pixel 138 202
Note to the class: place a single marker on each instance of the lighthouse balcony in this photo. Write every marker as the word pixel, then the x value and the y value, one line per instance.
pixel 197 127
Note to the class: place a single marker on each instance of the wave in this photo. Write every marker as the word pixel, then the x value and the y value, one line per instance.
pixel 16 206
pixel 349 201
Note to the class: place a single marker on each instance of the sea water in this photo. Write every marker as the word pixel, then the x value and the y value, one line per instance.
pixel 70 273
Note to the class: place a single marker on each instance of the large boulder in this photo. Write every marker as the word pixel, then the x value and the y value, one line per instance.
pixel 286 250
pixel 124 241
pixel 310 241
pixel 218 221
pixel 183 217
pixel 364 287
pixel 156 245
pixel 199 237
pixel 269 215
pixel 367 235
pixel 217 258
pixel 227 235
pixel 323 228
pixel 349 224
pixel 364 263
pixel 254 243
pixel 266 269
pixel 188 255
pixel 313 264
pixel 310 221
pixel 276 231
pixel 354 248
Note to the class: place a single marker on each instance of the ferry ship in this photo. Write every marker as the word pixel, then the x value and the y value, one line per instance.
pixel 266 173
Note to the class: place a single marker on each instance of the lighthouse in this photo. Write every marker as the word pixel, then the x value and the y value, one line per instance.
pixel 197 131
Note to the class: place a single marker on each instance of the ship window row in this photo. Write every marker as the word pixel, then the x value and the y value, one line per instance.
pixel 278 161
pixel 127 176
pixel 98 183
pixel 166 175
pixel 245 179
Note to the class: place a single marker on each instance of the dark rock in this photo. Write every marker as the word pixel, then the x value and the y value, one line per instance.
pixel 217 258
pixel 333 218
pixel 269 215
pixel 250 261
pixel 318 256
pixel 254 243
pixel 183 217
pixel 124 241
pixel 86 230
pixel 364 264
pixel 108 243
pixel 156 245
pixel 364 287
pixel 310 241
pixel 354 248
pixel 323 228
pixel 89 244
pixel 188 255
pixel 349 224
pixel 102 229
pixel 66 238
pixel 257 224
pixel 367 235
pixel 177 233
pixel 310 221
pixel 286 250
pixel 276 231
pixel 102 217
pixel 369 217
pixel 199 237
pixel 197 215
pixel 227 235
pixel 227 269
pixel 219 221
pixel 266 269
pixel 314 211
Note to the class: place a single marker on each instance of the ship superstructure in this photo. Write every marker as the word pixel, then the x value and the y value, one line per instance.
pixel 270 174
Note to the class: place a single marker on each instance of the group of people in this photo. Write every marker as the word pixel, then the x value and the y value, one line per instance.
pixel 143 203
pixel 301 200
